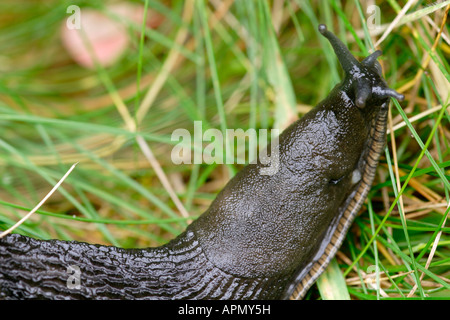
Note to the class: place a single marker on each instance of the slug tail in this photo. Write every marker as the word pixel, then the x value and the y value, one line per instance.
pixel 53 269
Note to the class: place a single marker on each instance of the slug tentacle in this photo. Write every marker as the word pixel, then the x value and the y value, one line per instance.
pixel 346 59
pixel 363 92
pixel 371 60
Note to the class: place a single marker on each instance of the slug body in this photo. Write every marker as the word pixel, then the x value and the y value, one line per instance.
pixel 263 237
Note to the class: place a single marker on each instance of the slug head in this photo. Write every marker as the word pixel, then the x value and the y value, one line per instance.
pixel 363 80
pixel 271 225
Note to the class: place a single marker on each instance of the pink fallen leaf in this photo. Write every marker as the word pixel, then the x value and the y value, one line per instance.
pixel 99 37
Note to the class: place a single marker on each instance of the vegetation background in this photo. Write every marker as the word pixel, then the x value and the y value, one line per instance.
pixel 230 64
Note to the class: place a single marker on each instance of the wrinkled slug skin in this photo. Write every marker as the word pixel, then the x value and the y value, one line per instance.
pixel 263 237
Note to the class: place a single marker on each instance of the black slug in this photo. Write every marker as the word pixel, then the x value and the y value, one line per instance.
pixel 263 237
